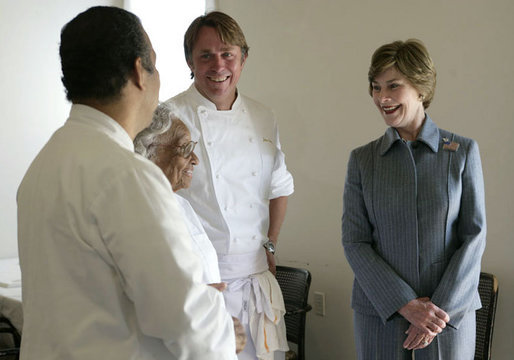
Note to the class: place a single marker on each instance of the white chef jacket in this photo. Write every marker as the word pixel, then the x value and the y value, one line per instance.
pixel 241 168
pixel 108 271
pixel 202 246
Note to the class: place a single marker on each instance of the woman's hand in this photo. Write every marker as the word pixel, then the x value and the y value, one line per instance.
pixel 220 286
pixel 425 315
pixel 416 339
pixel 240 335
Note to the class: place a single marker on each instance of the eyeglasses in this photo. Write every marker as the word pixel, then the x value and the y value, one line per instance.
pixel 187 149
pixel 184 150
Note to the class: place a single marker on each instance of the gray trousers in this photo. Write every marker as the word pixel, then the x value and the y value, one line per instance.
pixel 376 341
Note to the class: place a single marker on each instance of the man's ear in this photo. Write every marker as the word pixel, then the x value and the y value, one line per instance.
pixel 138 73
pixel 243 59
pixel 191 66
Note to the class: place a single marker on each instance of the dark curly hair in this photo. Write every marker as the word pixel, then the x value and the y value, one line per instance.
pixel 98 50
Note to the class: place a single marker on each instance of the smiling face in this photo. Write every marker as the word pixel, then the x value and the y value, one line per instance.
pixel 167 155
pixel 399 103
pixel 216 67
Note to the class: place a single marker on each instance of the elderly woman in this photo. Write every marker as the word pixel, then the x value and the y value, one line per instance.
pixel 167 142
pixel 413 221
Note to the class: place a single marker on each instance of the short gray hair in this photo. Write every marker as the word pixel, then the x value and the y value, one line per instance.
pixel 161 122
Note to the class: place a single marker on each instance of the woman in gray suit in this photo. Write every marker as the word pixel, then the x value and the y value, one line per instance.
pixel 413 221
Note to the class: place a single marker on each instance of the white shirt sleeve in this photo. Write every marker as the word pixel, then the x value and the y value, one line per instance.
pixel 281 178
pixel 160 273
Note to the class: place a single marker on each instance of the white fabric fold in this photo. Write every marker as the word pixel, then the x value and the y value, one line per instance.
pixel 263 310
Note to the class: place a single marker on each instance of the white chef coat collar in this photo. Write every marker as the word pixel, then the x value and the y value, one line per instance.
pixel 89 116
pixel 203 101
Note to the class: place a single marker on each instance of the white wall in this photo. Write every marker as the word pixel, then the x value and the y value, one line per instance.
pixel 309 61
pixel 165 27
pixel 32 97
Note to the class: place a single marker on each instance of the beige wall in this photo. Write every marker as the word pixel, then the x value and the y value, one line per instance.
pixel 309 60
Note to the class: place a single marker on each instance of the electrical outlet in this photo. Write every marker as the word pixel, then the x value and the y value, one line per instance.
pixel 319 303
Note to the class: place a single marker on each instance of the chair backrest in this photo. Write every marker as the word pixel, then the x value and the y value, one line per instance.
pixel 13 350
pixel 295 284
pixel 488 290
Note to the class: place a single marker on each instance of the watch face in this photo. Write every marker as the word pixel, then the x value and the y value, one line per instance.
pixel 270 247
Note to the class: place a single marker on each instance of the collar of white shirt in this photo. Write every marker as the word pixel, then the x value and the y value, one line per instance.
pixel 90 117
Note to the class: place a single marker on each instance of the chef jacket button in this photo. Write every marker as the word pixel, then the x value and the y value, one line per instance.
pixel 254 237
pixel 250 139
pixel 254 173
pixel 251 206
pixel 244 110
pixel 225 208
pixel 217 176
pixel 209 143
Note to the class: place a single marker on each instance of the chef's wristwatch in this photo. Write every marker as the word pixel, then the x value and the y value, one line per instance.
pixel 269 246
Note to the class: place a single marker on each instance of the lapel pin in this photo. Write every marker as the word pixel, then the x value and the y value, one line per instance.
pixel 450 145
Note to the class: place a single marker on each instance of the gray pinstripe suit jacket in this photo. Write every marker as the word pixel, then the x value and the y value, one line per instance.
pixel 414 223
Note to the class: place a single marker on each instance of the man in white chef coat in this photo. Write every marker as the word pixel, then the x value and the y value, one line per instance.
pixel 107 267
pixel 241 183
